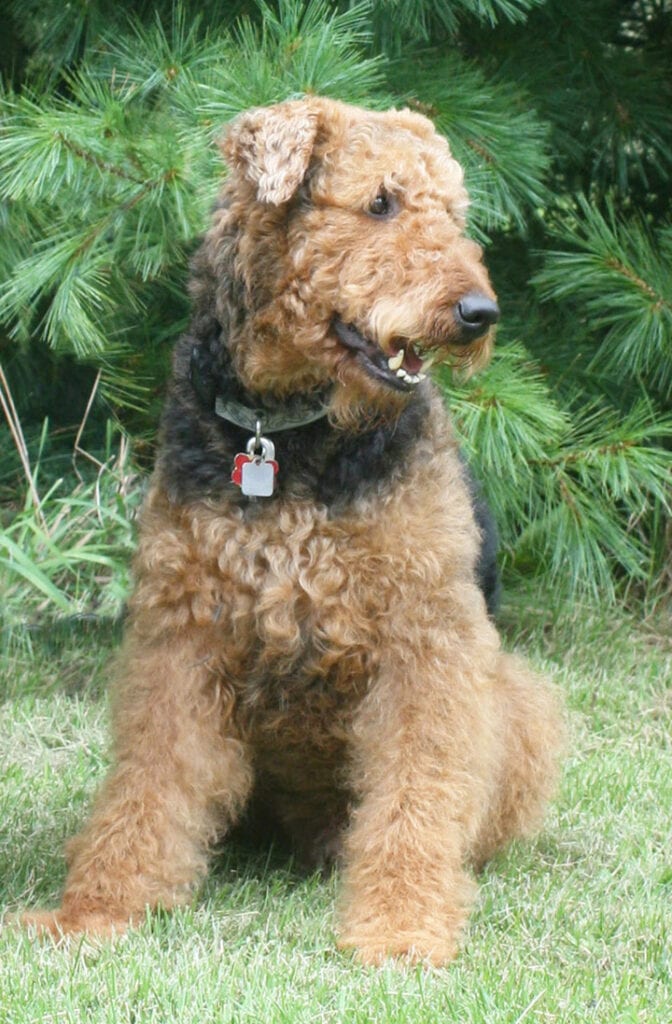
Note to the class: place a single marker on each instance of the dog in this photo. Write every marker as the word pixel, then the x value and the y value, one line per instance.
pixel 309 637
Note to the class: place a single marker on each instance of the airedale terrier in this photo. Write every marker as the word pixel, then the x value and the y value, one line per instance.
pixel 307 634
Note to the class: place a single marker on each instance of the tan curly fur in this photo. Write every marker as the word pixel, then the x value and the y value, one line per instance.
pixel 334 663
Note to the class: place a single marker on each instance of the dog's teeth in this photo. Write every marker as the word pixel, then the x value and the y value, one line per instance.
pixel 410 378
pixel 394 362
pixel 426 363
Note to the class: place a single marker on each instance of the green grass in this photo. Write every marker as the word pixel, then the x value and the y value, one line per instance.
pixel 573 927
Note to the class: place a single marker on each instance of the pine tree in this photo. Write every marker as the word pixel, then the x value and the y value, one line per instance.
pixel 561 113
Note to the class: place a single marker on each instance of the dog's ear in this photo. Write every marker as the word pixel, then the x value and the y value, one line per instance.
pixel 272 146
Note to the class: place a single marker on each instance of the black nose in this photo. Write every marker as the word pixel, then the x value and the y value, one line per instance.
pixel 474 314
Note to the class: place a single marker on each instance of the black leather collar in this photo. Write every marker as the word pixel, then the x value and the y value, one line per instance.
pixel 295 412
pixel 222 394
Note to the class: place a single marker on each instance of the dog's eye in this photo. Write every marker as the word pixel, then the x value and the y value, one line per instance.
pixel 384 205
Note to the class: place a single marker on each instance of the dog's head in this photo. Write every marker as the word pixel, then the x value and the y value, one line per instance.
pixel 350 255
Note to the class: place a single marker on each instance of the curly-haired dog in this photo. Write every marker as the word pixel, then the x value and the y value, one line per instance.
pixel 309 638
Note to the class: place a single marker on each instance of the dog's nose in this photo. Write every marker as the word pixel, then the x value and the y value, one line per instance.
pixel 474 314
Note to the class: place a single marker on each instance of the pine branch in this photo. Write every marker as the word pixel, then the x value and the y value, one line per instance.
pixel 576 496
pixel 101 165
pixel 618 273
pixel 303 48
pixel 399 22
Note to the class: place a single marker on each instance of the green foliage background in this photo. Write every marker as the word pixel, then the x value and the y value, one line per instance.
pixel 560 111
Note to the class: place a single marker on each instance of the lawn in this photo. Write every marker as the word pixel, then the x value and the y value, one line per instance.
pixel 572 927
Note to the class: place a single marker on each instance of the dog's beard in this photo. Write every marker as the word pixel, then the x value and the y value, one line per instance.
pixel 359 403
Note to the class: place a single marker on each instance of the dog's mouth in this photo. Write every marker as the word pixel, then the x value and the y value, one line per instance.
pixel 403 367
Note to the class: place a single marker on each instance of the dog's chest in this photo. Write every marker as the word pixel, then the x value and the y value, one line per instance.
pixel 294 603
pixel 291 601
pixel 294 586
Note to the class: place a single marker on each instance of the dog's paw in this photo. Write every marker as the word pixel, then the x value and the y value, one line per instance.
pixel 59 925
pixel 411 948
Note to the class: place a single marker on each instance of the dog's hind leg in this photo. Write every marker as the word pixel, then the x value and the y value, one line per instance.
pixel 532 736
pixel 179 774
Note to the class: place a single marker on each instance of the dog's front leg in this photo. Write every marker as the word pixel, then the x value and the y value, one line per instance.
pixel 179 772
pixel 422 769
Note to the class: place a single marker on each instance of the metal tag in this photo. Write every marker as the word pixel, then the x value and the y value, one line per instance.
pixel 257 478
pixel 255 471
